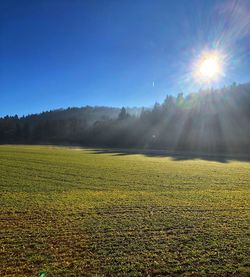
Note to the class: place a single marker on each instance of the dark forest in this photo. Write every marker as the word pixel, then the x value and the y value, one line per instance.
pixel 206 121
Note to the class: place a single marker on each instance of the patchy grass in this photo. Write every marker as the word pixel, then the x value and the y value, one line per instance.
pixel 80 213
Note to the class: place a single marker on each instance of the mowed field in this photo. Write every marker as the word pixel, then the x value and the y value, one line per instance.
pixel 76 212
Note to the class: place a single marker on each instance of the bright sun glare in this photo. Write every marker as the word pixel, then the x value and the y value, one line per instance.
pixel 209 67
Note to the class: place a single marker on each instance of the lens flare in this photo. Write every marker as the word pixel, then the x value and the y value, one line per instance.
pixel 209 67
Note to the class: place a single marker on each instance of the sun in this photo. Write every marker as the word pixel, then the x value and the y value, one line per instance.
pixel 209 67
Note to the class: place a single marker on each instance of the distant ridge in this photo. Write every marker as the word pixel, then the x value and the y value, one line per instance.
pixel 209 121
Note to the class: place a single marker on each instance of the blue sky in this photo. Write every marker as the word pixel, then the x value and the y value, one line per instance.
pixel 58 53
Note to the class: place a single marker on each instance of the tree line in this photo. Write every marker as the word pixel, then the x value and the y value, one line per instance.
pixel 206 121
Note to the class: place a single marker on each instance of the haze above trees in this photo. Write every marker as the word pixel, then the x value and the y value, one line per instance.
pixel 209 120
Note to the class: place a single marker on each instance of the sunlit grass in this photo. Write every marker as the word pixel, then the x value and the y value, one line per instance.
pixel 76 213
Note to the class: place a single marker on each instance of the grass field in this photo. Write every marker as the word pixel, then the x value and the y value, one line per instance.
pixel 69 212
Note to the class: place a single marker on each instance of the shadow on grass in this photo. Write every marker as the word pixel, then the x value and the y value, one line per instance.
pixel 176 156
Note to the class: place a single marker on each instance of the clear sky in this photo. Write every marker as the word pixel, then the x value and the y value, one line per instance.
pixel 61 53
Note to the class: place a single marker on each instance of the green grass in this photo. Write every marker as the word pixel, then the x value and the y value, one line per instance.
pixel 69 212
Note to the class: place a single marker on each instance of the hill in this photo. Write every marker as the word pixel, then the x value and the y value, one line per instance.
pixel 207 121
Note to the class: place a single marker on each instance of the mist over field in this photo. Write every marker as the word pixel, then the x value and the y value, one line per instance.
pixel 211 121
